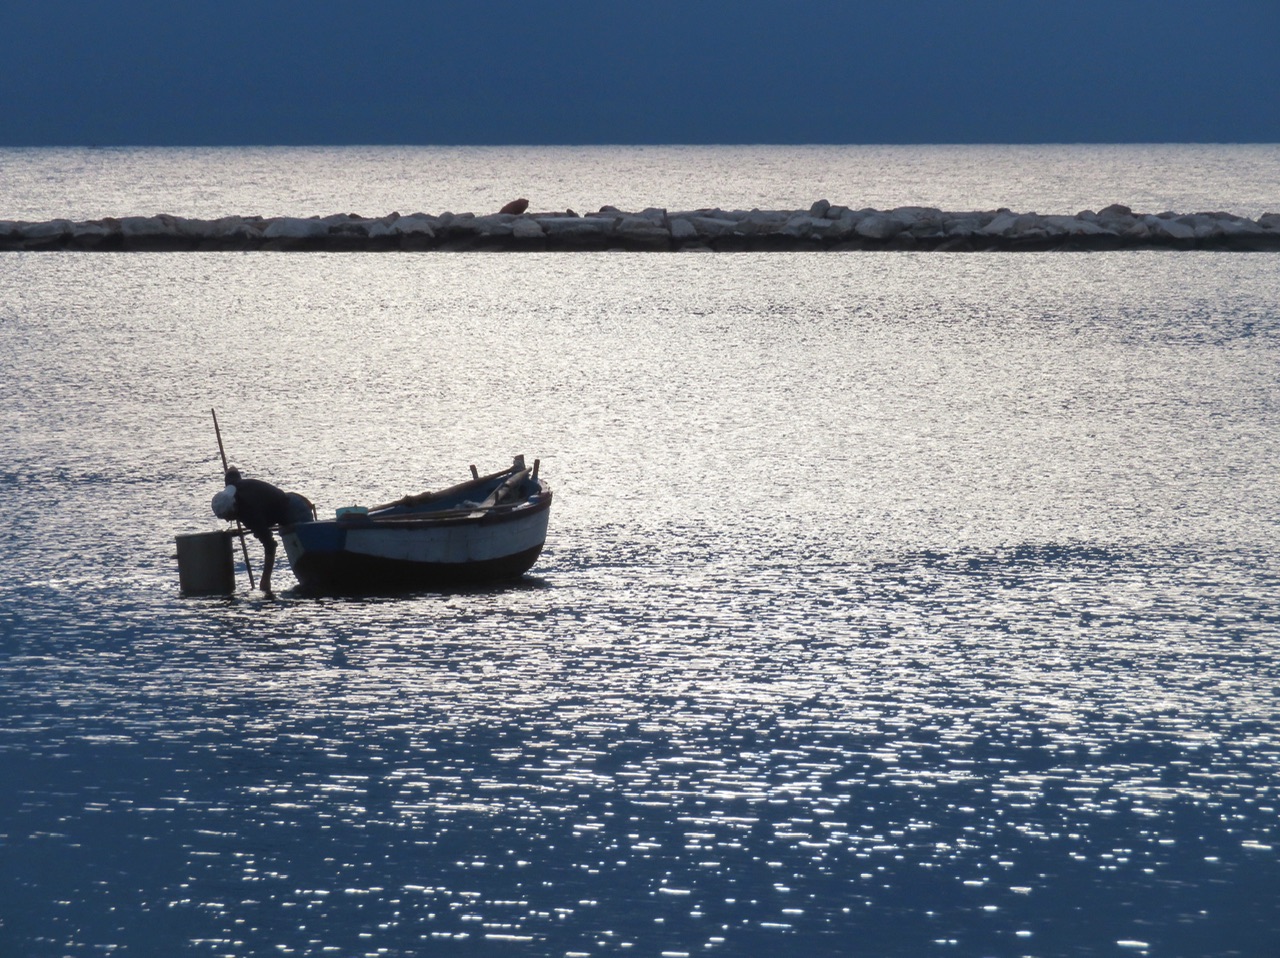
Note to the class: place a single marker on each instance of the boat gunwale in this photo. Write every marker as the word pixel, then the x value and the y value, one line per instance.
pixel 423 498
pixel 506 512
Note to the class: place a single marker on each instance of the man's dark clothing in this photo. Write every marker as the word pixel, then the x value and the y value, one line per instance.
pixel 260 505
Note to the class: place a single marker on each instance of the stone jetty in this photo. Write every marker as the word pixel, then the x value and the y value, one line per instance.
pixel 822 227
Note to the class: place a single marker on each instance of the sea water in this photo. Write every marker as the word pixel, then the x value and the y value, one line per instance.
pixel 893 604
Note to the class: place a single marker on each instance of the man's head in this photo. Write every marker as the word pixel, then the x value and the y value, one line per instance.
pixel 233 476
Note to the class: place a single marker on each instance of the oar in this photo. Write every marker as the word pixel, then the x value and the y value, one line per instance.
pixel 244 548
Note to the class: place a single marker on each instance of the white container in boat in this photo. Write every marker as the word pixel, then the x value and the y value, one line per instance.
pixel 351 512
pixel 204 564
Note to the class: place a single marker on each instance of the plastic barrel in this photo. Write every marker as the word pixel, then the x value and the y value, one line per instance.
pixel 204 564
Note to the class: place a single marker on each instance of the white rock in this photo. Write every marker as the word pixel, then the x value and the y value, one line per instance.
pixel 416 225
pixel 804 225
pixel 877 226
pixel 641 228
pixel 575 227
pixel 761 222
pixel 1171 229
pixel 964 224
pixel 493 224
pixel 526 227
pixel 682 229
pixel 150 226
pixel 1220 224
pixel 714 225
pixel 1117 218
pixel 227 226
pixel 1072 226
pixel 192 229
pixel 1201 225
pixel 1001 225
pixel 918 217
pixel 1028 223
pixel 92 229
pixel 1239 226
pixel 45 230
pixel 291 227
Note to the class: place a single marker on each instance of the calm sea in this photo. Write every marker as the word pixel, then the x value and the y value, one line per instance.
pixel 894 604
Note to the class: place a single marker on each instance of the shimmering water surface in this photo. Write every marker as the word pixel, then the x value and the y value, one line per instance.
pixel 894 604
pixel 40 184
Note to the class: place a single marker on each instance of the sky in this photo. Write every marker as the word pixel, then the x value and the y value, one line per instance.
pixel 454 72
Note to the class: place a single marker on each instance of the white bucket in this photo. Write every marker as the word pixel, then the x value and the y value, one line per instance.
pixel 204 564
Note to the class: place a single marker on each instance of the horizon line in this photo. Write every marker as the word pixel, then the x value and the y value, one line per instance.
pixel 619 145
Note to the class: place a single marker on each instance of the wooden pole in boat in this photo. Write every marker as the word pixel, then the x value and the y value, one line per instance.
pixel 239 531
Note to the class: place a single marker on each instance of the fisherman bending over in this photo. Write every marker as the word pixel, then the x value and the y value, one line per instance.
pixel 259 506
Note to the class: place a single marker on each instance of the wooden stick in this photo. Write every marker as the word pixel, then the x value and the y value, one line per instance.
pixel 239 531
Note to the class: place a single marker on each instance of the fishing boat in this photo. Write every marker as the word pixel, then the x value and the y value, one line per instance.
pixel 487 529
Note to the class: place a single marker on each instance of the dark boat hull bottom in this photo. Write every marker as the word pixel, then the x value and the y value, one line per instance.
pixel 345 573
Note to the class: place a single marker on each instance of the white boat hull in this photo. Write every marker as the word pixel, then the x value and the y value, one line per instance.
pixel 363 554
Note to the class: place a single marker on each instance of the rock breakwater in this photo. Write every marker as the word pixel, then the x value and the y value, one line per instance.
pixel 821 227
